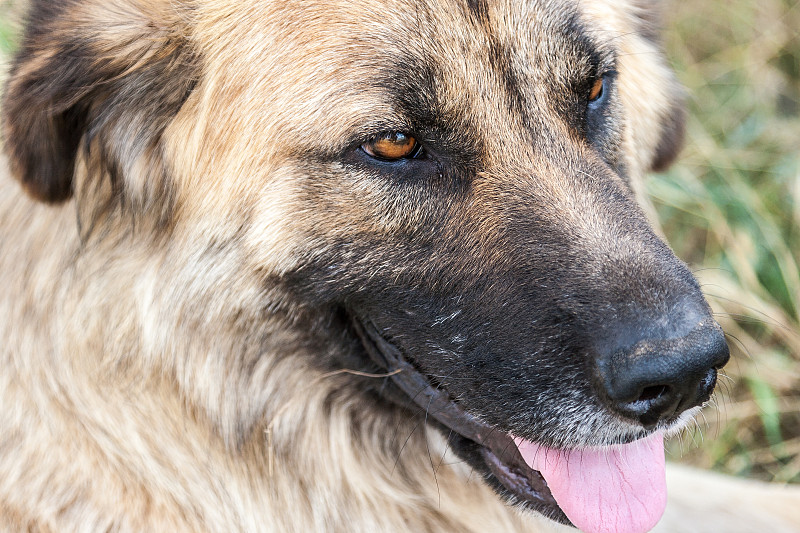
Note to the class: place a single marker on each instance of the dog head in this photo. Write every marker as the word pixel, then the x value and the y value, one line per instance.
pixel 456 176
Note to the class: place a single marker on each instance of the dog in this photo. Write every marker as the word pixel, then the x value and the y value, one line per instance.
pixel 324 266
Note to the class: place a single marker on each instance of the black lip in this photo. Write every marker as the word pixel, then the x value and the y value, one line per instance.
pixel 495 447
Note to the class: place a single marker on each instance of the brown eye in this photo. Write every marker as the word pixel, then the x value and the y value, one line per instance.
pixel 391 146
pixel 597 90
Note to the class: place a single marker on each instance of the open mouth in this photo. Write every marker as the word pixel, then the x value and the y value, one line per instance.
pixel 620 489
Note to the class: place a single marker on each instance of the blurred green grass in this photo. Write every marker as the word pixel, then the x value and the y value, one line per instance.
pixel 731 208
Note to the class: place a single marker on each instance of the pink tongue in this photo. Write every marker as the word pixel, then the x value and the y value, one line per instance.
pixel 620 489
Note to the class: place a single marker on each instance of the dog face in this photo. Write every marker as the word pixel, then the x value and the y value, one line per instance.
pixel 457 177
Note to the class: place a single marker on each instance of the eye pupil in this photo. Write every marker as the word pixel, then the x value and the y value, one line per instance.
pixel 391 146
pixel 597 90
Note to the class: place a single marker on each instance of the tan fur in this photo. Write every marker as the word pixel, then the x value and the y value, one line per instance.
pixel 152 380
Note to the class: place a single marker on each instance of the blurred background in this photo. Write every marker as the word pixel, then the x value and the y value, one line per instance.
pixel 731 209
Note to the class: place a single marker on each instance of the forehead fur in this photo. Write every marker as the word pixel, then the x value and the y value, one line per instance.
pixel 341 61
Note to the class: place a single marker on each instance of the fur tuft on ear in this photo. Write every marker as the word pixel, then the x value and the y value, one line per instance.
pixel 649 17
pixel 106 76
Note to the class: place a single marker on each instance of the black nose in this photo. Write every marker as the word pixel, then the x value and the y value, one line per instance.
pixel 656 379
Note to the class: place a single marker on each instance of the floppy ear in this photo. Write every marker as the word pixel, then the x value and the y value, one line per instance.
pixel 102 76
pixel 673 127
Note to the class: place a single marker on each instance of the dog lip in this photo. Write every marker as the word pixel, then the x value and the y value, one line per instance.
pixel 497 448
pixel 525 483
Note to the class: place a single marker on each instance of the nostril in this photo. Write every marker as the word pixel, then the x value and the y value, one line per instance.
pixel 707 384
pixel 652 403
pixel 653 393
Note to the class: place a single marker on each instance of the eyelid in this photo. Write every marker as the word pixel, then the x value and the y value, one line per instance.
pixel 609 74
